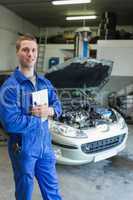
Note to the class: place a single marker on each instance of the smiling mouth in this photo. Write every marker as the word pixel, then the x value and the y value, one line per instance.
pixel 31 60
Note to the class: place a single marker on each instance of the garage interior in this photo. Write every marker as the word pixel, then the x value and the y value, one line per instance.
pixel 112 178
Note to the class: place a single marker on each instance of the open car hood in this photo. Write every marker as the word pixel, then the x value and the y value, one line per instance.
pixel 76 73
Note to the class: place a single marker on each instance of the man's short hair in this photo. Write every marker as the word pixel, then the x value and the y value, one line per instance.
pixel 26 36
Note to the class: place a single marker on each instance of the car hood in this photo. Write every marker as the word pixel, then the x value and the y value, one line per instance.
pixel 77 73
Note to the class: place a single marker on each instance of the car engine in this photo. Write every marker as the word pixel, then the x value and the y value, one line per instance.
pixel 81 112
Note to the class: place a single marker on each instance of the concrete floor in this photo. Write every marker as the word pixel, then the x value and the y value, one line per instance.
pixel 106 180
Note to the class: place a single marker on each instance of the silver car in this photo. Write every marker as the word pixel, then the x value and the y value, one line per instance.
pixel 86 131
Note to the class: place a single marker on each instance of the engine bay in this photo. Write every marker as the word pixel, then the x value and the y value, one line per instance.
pixel 81 111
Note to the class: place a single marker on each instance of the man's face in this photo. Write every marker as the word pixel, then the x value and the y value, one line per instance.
pixel 27 53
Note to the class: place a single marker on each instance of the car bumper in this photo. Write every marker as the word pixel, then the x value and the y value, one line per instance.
pixel 77 159
pixel 71 153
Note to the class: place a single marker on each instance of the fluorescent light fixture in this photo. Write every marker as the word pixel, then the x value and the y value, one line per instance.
pixel 81 17
pixel 65 2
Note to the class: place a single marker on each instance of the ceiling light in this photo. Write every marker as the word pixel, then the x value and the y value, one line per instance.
pixel 70 2
pixel 81 17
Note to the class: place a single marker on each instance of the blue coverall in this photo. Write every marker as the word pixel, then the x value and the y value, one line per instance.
pixel 29 145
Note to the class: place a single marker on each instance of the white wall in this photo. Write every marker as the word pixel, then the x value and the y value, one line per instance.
pixel 10 25
pixel 58 50
pixel 120 52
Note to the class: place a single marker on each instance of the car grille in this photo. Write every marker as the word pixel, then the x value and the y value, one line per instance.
pixel 102 145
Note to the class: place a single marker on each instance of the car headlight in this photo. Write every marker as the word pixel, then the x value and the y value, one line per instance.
pixel 66 131
pixel 121 121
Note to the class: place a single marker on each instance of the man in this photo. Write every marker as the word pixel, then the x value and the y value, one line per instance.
pixel 30 148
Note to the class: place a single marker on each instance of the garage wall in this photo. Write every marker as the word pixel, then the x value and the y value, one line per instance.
pixel 61 51
pixel 10 26
pixel 120 52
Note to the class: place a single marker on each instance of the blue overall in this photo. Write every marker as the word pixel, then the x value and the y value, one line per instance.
pixel 29 145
